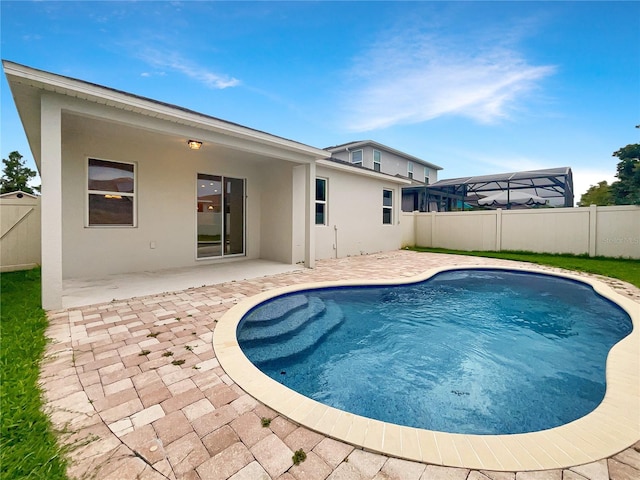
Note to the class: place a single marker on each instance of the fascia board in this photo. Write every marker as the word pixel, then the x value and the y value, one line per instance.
pixel 102 95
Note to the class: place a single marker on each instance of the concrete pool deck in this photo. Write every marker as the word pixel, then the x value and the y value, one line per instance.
pixel 137 388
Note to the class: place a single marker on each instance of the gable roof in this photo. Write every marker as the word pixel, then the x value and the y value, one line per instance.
pixel 380 146
pixel 27 84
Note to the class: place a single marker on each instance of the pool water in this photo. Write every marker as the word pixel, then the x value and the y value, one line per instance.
pixel 466 351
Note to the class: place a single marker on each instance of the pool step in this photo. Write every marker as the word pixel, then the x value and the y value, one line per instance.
pixel 277 309
pixel 304 339
pixel 287 324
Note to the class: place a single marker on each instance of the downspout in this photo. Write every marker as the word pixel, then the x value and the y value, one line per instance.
pixel 335 245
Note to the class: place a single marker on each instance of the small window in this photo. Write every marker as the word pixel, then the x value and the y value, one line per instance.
pixel 356 157
pixel 376 160
pixel 387 207
pixel 111 193
pixel 426 175
pixel 410 170
pixel 321 201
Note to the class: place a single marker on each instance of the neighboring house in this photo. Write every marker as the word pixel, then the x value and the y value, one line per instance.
pixel 381 158
pixel 131 184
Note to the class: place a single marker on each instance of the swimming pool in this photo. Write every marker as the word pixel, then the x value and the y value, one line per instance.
pixel 469 351
pixel 611 427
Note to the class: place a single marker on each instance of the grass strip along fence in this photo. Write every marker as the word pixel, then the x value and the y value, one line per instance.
pixel 28 446
pixel 624 269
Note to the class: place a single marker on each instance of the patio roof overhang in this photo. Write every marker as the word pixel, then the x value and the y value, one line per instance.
pixel 28 85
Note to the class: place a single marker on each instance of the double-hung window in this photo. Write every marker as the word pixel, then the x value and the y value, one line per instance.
pixel 376 160
pixel 426 175
pixel 111 188
pixel 410 169
pixel 356 157
pixel 321 201
pixel 387 207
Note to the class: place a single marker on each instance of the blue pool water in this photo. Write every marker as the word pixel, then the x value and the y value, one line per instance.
pixel 467 351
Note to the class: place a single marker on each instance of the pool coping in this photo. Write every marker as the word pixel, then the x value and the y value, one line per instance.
pixel 613 426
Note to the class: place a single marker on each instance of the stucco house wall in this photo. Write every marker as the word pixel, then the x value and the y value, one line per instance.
pixel 354 214
pixel 68 121
pixel 166 174
pixel 354 220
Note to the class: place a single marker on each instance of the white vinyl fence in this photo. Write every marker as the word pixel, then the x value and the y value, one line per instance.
pixel 596 231
pixel 19 231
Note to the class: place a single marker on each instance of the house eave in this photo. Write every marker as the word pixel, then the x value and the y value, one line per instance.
pixel 40 80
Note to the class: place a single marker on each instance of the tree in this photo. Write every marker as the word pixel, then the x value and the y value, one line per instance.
pixel 16 175
pixel 626 191
pixel 597 195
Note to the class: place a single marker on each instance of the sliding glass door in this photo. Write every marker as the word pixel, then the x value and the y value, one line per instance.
pixel 220 211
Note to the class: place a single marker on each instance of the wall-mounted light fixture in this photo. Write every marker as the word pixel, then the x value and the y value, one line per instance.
pixel 194 144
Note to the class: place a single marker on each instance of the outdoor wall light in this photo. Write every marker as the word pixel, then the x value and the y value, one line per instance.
pixel 194 144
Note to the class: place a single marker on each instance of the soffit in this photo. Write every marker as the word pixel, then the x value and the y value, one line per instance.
pixel 27 86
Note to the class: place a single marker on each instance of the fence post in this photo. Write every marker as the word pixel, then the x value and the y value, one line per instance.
pixel 498 230
pixel 433 228
pixel 593 228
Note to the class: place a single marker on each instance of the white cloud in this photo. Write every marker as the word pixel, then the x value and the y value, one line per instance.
pixel 412 78
pixel 177 63
pixel 583 178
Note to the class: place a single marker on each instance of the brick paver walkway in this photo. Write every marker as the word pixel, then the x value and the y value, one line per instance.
pixel 138 393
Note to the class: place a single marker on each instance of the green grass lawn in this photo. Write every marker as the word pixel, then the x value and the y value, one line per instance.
pixel 28 448
pixel 621 268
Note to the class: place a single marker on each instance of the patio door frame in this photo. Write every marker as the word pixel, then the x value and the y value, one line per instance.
pixel 224 220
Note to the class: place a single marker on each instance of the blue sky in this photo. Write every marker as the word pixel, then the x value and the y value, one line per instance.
pixel 475 87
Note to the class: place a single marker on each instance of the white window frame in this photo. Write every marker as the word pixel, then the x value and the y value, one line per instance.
pixel 387 207
pixel 361 157
pixel 426 175
pixel 410 169
pixel 324 202
pixel 379 162
pixel 88 192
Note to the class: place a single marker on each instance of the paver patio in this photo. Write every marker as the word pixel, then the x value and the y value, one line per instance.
pixel 136 387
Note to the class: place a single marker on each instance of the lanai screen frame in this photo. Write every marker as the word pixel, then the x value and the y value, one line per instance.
pixel 553 184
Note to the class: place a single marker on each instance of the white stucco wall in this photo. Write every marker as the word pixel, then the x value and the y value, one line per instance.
pixel 166 173
pixel 276 212
pixel 354 222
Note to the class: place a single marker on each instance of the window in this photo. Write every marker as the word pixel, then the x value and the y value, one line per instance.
pixel 321 201
pixel 376 160
pixel 387 207
pixel 111 194
pixel 410 169
pixel 220 216
pixel 426 175
pixel 356 157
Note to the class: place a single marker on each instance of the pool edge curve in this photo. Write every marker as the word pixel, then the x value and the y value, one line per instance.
pixel 610 428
